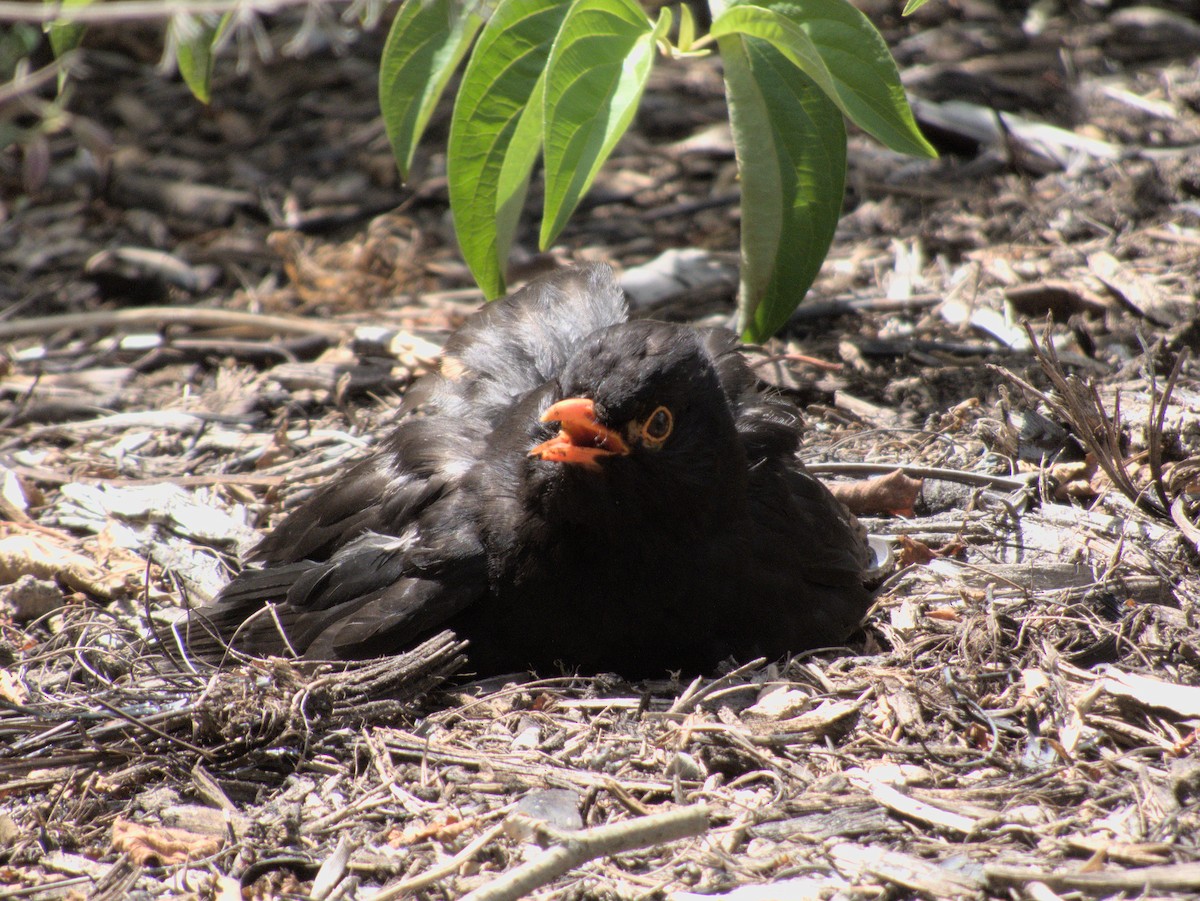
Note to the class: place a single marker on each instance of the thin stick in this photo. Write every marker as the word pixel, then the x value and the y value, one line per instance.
pixel 579 847
pixel 698 691
pixel 815 362
pixel 1157 419
pixel 436 874
pixel 153 730
pixel 133 10
pixel 156 317
pixel 1009 483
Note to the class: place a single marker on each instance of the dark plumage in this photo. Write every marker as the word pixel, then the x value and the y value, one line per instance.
pixel 571 488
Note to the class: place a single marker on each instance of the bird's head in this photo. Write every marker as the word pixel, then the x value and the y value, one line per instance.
pixel 642 402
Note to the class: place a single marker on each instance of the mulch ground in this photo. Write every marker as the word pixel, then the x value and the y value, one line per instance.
pixel 204 311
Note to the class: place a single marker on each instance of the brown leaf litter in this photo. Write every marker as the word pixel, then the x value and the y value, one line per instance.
pixel 1018 717
pixel 1021 699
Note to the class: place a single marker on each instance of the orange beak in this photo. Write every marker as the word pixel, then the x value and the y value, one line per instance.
pixel 583 440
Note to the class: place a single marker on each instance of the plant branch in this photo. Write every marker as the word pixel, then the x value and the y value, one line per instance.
pixel 137 10
pixel 577 848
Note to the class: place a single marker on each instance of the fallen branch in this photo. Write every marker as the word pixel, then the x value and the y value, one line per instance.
pixel 1174 877
pixel 1004 483
pixel 440 872
pixel 158 317
pixel 577 848
pixel 699 689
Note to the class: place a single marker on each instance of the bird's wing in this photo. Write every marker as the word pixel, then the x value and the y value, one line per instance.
pixel 804 544
pixel 788 500
pixel 828 541
pixel 378 556
pixel 423 457
pixel 808 552
pixel 374 595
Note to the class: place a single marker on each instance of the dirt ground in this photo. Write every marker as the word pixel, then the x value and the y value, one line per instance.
pixel 205 310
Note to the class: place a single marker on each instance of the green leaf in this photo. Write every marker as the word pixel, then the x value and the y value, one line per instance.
pixel 912 6
pixel 496 132
pixel 687 28
pixel 196 37
pixel 64 34
pixel 791 145
pixel 662 27
pixel 864 75
pixel 427 41
pixel 785 35
pixel 17 44
pixel 597 72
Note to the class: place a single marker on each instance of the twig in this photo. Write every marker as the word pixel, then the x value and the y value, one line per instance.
pixel 153 730
pixel 50 477
pixel 1173 877
pixel 156 317
pixel 1156 418
pixel 579 847
pixel 815 362
pixel 831 308
pixel 1009 483
pixel 1080 405
pixel 1186 526
pixel 697 692
pixel 31 83
pixel 438 873
pixel 914 808
pixel 135 10
pixel 50 885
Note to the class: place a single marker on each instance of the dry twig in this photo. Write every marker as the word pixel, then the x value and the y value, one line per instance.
pixel 579 847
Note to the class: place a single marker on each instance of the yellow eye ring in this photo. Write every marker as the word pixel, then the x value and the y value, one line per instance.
pixel 656 428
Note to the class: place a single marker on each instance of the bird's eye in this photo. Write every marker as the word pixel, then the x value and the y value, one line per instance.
pixel 656 428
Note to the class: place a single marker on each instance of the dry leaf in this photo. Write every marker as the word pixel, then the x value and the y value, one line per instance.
pixel 821 718
pixel 1184 745
pixel 447 828
pixel 1150 692
pixel 780 704
pixel 161 846
pixel 913 552
pixel 14 496
pixel 945 614
pixel 39 556
pixel 978 737
pixel 1075 479
pixel 11 690
pixel 893 493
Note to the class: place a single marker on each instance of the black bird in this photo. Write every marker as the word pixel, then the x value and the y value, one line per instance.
pixel 569 489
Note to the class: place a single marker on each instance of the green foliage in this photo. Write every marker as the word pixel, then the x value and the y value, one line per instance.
pixel 598 67
pixel 564 79
pixel 64 34
pixel 427 42
pixel 17 42
pixel 791 147
pixel 496 132
pixel 195 40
